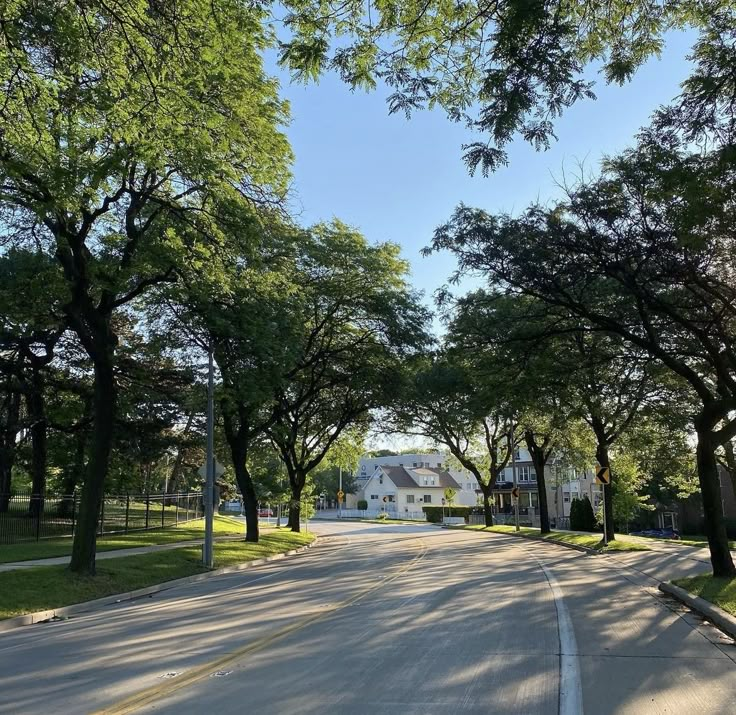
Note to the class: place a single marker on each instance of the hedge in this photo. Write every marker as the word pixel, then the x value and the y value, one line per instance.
pixel 362 504
pixel 435 513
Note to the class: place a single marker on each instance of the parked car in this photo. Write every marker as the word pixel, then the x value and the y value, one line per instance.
pixel 658 533
pixel 265 512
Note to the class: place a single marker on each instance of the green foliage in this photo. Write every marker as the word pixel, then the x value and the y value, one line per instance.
pixel 505 71
pixel 581 515
pixel 362 504
pixel 435 513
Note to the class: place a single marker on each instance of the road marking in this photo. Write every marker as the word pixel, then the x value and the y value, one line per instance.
pixel 571 691
pixel 156 692
pixel 145 605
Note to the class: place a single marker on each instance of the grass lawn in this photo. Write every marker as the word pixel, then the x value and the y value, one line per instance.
pixel 622 542
pixel 45 587
pixel 720 591
pixel 188 531
pixel 699 541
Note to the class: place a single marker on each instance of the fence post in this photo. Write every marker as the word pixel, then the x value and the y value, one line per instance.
pixel 74 510
pixel 163 509
pixel 102 516
pixel 148 507
pixel 176 510
pixel 127 511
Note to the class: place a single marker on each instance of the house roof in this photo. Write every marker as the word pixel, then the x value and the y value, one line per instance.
pixel 412 478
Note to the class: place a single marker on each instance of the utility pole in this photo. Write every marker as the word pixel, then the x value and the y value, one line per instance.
pixel 209 487
pixel 339 501
pixel 513 475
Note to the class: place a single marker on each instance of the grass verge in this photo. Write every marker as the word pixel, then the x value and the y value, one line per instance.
pixel 592 541
pixel 719 591
pixel 45 587
pixel 189 531
pixel 699 541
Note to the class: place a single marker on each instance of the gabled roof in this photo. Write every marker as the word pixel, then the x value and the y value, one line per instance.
pixel 404 477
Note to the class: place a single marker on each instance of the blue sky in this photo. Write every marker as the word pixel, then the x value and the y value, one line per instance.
pixel 397 179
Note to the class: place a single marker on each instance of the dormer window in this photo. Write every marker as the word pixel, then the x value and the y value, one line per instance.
pixel 380 479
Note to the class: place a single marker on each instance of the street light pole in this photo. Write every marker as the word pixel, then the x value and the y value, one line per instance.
pixel 339 501
pixel 209 487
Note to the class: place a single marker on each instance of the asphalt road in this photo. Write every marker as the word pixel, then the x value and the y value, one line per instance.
pixel 389 619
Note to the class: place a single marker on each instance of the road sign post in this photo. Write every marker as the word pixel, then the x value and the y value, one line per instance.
pixel 603 477
pixel 340 495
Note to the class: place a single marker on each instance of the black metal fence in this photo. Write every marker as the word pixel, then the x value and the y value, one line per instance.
pixel 28 517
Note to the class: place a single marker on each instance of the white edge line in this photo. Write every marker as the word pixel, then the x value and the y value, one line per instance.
pixel 571 692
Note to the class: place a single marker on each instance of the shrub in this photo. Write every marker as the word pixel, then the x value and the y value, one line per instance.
pixel 362 504
pixel 434 513
pixel 582 517
pixel 383 516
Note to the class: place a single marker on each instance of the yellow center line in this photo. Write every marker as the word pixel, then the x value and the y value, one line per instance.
pixel 156 692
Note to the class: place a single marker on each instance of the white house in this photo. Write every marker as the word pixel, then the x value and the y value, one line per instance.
pixel 405 490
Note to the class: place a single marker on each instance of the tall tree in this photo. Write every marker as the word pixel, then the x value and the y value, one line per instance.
pixel 98 167
pixel 445 400
pixel 359 318
pixel 644 252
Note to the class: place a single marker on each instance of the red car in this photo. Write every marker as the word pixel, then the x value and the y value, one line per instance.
pixel 265 512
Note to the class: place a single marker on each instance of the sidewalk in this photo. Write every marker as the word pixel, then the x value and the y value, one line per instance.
pixel 112 554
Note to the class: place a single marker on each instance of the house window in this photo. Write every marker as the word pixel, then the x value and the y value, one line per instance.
pixel 439 465
pixel 427 498
pixel 566 496
pixel 535 499
pixel 380 479
pixel 391 497
pixel 425 481
pixel 527 474
pixel 374 496
pixel 409 498
pixel 414 465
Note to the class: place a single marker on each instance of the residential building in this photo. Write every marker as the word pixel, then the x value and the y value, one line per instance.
pixel 405 490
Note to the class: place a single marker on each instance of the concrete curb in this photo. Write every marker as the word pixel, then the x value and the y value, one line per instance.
pixel 720 618
pixel 574 547
pixel 28 619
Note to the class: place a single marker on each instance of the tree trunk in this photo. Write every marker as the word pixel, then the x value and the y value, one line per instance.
pixel 247 489
pixel 539 460
pixel 39 430
pixel 294 516
pixel 104 407
pixel 487 511
pixel 73 471
pixel 8 445
pixel 601 454
pixel 710 489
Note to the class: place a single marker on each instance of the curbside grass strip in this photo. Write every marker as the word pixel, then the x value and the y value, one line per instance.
pixel 565 544
pixel 716 615
pixel 28 619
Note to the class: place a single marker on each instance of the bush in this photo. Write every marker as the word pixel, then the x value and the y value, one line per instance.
pixel 362 504
pixel 582 517
pixel 434 513
pixel 383 516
